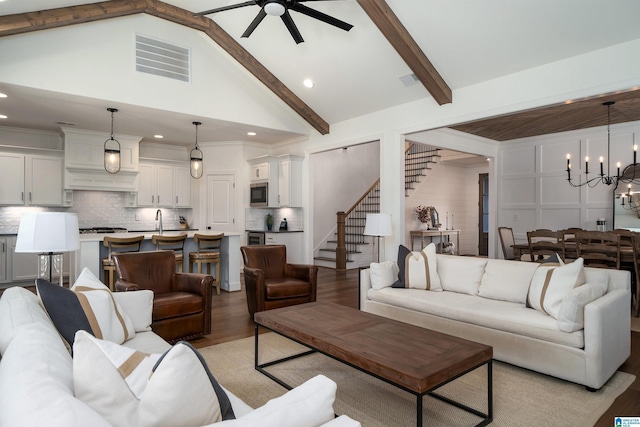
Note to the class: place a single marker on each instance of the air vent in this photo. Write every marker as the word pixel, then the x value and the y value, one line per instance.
pixel 162 59
pixel 409 80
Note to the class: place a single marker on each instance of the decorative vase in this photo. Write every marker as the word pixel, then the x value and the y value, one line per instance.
pixel 425 226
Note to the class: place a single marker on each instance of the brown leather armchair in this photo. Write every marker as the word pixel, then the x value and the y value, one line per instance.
pixel 272 283
pixel 181 301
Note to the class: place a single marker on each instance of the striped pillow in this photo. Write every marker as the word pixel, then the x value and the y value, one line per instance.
pixel 107 319
pixel 550 285
pixel 131 388
pixel 418 270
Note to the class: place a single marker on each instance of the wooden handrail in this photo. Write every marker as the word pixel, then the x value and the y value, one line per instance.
pixel 366 193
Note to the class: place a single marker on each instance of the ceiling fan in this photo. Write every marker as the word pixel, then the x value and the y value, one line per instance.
pixel 281 8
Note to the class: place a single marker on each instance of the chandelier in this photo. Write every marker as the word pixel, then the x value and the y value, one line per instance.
pixel 628 175
pixel 633 200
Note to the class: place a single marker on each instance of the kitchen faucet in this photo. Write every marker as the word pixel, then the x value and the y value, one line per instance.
pixel 159 215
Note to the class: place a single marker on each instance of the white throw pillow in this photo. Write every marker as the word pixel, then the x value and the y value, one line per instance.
pixel 550 285
pixel 571 315
pixel 106 317
pixel 138 306
pixel 461 274
pixel 131 388
pixel 383 274
pixel 309 404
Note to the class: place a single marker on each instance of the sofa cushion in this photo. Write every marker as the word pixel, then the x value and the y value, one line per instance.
pixel 130 388
pixel 418 270
pixel 383 274
pixel 107 319
pixel 36 383
pixel 19 307
pixel 461 274
pixel 63 308
pixel 571 314
pixel 550 285
pixel 309 404
pixel 174 304
pixel 286 287
pixel 507 280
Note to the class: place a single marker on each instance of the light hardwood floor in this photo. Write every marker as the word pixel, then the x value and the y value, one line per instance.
pixel 230 321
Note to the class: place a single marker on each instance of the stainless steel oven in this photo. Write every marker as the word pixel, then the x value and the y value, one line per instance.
pixel 259 195
pixel 255 238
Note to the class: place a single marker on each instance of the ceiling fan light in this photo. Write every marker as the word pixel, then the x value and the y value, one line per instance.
pixel 274 8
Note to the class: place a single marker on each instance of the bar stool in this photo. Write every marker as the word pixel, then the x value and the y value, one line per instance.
pixel 172 243
pixel 117 245
pixel 208 253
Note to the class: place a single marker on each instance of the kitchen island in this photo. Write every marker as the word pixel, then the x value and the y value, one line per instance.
pixel 92 251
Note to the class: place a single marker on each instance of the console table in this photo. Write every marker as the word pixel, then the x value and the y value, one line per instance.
pixel 421 234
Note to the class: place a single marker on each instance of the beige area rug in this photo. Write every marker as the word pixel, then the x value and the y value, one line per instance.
pixel 521 397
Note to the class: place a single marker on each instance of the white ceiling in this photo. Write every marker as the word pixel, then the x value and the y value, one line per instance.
pixel 357 72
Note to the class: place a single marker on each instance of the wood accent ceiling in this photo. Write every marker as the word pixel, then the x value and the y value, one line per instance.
pixel 54 18
pixel 398 36
pixel 578 114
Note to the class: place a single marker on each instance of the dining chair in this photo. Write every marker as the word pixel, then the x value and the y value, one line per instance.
pixel 599 248
pixel 507 241
pixel 544 242
pixel 568 239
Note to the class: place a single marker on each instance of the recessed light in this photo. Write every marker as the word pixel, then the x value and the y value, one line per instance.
pixel 158 136
pixel 2 116
pixel 251 133
pixel 308 83
pixel 3 95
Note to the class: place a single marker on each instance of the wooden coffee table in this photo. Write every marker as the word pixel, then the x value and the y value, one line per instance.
pixel 412 358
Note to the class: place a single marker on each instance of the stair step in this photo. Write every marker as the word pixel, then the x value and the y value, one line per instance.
pixel 324 258
pixel 335 250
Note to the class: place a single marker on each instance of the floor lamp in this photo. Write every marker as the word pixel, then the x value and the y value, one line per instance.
pixel 378 225
pixel 48 234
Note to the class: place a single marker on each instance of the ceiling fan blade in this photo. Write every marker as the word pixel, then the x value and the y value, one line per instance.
pixel 223 8
pixel 291 26
pixel 321 16
pixel 256 21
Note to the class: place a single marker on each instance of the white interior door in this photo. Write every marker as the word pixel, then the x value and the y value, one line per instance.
pixel 221 190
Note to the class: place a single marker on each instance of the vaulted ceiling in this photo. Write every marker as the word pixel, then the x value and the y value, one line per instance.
pixel 446 45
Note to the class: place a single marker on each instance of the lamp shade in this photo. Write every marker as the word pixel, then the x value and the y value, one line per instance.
pixel 378 225
pixel 41 232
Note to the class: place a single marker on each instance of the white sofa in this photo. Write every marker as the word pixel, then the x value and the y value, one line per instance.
pixel 37 373
pixel 485 300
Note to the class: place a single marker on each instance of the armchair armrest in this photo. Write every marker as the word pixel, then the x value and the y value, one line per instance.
pixel 193 283
pixel 253 284
pixel 123 286
pixel 308 273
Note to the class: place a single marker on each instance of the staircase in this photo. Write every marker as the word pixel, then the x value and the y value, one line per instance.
pixel 356 244
pixel 357 248
pixel 417 160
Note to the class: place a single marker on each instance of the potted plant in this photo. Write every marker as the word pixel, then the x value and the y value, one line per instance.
pixel 269 222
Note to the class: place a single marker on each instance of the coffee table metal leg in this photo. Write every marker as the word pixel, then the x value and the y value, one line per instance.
pixel 419 409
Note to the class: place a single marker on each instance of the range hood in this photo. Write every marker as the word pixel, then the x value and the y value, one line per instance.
pixel 84 162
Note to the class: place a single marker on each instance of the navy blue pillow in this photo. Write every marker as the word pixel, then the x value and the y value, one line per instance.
pixel 64 309
pixel 403 252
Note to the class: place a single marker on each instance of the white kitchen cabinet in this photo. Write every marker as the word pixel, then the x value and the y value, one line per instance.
pixel 260 172
pixel 290 181
pixel 164 186
pixel 266 169
pixel 30 180
pixel 293 242
pixel 4 255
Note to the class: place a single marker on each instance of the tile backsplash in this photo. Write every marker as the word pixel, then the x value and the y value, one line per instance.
pixel 255 218
pixel 100 208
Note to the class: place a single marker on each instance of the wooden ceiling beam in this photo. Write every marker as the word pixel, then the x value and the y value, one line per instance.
pixel 391 27
pixel 55 18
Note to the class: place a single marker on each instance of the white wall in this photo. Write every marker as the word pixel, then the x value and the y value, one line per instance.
pixel 532 179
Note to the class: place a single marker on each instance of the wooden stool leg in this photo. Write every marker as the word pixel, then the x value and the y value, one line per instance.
pixel 217 280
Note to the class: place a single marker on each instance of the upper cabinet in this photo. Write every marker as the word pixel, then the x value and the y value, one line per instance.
pixel 290 181
pixel 164 185
pixel 84 162
pixel 284 176
pixel 31 179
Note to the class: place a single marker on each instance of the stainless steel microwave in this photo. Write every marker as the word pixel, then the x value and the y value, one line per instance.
pixel 259 195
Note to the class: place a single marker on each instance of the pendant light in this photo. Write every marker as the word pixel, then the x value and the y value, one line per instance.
pixel 112 149
pixel 196 157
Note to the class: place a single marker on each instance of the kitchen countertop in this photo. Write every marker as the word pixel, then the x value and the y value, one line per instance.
pixel 99 237
pixel 275 231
